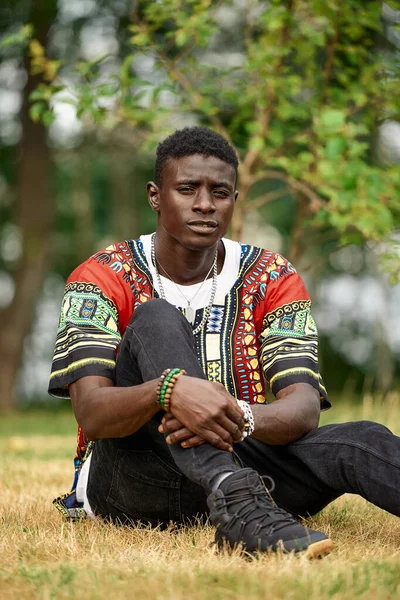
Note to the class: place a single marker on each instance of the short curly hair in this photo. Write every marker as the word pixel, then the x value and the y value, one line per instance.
pixel 193 140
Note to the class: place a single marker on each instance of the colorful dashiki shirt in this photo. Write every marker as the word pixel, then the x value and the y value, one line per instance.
pixel 261 333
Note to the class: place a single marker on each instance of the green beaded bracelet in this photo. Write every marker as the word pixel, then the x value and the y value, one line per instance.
pixel 166 385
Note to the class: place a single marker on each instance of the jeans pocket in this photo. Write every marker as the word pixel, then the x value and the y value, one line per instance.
pixel 145 488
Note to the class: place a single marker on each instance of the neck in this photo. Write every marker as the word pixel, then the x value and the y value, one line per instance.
pixel 183 265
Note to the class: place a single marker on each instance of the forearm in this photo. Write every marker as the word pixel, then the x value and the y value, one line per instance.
pixel 109 412
pixel 287 419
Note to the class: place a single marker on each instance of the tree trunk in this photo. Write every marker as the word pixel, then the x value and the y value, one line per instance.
pixel 81 204
pixel 296 246
pixel 237 223
pixel 125 196
pixel 33 218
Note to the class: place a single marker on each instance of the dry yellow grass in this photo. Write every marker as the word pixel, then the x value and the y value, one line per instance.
pixel 43 557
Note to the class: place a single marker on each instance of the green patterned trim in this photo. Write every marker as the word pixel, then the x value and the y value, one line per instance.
pixel 286 309
pixel 71 514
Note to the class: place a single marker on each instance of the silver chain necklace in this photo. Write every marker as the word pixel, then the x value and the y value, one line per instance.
pixel 189 312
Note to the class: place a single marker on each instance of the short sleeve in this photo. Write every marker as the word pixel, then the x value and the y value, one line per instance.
pixel 289 336
pixel 87 337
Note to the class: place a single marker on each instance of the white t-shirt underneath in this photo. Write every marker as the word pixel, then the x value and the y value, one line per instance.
pixel 200 292
pixel 198 296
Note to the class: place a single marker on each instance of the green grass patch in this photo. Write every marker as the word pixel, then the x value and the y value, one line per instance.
pixel 38 421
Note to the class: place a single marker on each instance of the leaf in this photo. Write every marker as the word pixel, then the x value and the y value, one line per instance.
pixel 36 49
pixel 83 68
pixel 107 90
pixel 36 94
pixel 48 117
pixel 126 72
pixel 19 38
pixel 333 118
pixel 36 111
pixel 81 111
pixel 257 144
pixel 327 169
pixel 335 147
pixel 140 39
pixel 305 158
pixel 206 105
pixel 181 38
pixel 51 69
pixel 99 59
pixel 97 113
pixel 45 92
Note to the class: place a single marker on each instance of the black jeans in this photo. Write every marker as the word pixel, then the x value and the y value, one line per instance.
pixel 142 478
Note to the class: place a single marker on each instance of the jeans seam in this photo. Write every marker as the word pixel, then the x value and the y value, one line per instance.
pixel 353 445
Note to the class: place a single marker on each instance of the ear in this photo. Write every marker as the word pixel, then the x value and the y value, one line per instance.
pixel 236 194
pixel 153 195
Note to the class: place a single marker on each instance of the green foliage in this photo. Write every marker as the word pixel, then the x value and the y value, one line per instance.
pixel 390 262
pixel 19 38
pixel 301 103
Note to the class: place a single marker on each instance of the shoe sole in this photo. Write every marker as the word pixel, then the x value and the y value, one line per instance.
pixel 315 550
pixel 319 549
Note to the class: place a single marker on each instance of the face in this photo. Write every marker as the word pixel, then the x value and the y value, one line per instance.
pixel 195 201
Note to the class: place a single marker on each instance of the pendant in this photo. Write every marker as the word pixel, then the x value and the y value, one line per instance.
pixel 190 314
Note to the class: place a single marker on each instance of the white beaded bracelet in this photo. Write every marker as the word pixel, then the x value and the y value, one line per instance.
pixel 248 418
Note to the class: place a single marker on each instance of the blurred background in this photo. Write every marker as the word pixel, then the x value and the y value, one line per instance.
pixel 307 91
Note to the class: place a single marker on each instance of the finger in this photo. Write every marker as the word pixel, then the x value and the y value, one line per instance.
pixel 232 401
pixel 172 425
pixel 236 406
pixel 196 440
pixel 223 432
pixel 215 436
pixel 165 429
pixel 167 417
pixel 234 416
pixel 179 436
pixel 231 422
pixel 234 430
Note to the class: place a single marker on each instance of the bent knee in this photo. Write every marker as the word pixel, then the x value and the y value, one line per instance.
pixel 156 309
pixel 158 315
pixel 356 430
pixel 369 428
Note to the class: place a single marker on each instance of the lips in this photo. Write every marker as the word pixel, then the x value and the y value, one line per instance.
pixel 206 225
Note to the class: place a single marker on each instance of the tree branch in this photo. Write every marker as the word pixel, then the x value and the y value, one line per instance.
pixel 265 198
pixel 315 202
pixel 197 98
pixel 297 239
pixel 266 112
pixel 330 56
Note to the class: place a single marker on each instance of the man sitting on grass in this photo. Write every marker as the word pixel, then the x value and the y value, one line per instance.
pixel 179 414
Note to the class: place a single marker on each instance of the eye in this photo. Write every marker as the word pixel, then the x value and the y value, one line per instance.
pixel 221 193
pixel 185 190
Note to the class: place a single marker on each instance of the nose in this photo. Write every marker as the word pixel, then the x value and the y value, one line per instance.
pixel 204 201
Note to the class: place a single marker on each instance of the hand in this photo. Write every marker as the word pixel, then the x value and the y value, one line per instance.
pixel 207 410
pixel 178 433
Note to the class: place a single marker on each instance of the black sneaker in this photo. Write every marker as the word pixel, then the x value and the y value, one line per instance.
pixel 243 514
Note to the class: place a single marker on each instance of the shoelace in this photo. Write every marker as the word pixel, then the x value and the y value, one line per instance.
pixel 271 516
pixel 271 481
